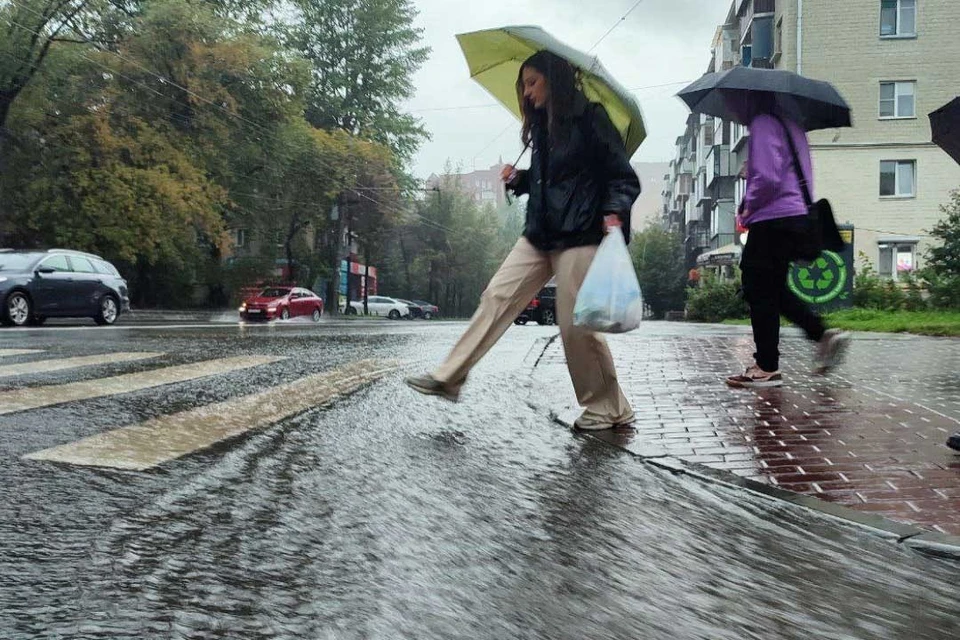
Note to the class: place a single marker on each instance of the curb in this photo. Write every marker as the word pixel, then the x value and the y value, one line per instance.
pixel 924 541
pixel 146 315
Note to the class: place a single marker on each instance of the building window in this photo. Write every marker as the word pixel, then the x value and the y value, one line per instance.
pixel 896 259
pixel 898 18
pixel 898 178
pixel 898 99
pixel 240 238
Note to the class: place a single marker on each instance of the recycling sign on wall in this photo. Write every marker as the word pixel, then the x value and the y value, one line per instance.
pixel 827 282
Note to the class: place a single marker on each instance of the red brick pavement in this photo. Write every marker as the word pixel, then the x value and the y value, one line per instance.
pixel 870 437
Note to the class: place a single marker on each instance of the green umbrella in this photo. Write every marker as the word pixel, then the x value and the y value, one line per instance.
pixel 495 55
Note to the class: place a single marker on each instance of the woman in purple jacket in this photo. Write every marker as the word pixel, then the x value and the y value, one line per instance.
pixel 775 212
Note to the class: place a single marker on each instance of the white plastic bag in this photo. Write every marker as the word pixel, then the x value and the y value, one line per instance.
pixel 610 300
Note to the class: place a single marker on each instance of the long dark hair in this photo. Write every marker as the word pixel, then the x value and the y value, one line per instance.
pixel 562 83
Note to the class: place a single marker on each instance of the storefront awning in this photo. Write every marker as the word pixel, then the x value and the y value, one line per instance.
pixel 724 256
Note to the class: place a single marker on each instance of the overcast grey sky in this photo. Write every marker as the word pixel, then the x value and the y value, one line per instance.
pixel 662 41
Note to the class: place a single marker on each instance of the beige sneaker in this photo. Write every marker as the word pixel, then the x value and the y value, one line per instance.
pixel 588 422
pixel 756 378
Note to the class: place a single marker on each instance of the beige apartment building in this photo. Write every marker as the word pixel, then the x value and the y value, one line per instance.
pixel 894 61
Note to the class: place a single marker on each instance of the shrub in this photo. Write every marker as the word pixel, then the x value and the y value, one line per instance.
pixel 715 301
pixel 944 290
pixel 870 291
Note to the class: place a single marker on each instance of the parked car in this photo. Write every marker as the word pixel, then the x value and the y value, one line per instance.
pixel 59 283
pixel 542 309
pixel 430 311
pixel 416 311
pixel 283 303
pixel 380 306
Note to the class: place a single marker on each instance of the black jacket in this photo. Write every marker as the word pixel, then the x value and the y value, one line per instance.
pixel 575 182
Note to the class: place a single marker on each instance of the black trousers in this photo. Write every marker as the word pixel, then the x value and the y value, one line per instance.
pixel 771 247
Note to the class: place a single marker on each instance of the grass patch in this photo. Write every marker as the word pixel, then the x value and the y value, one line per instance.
pixel 928 323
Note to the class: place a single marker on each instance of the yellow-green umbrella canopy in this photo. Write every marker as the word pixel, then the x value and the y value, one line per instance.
pixel 495 56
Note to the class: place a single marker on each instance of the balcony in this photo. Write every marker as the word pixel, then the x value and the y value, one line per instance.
pixel 749 11
pixel 740 136
pixel 697 238
pixel 722 240
pixel 720 165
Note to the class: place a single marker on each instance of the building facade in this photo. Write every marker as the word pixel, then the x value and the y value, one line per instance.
pixel 894 61
pixel 483 185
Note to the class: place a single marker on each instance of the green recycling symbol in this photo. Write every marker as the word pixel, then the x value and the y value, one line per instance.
pixel 823 280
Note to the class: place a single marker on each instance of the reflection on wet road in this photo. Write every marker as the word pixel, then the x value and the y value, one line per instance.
pixel 389 515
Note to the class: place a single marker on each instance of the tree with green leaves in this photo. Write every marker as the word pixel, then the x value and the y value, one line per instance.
pixel 659 260
pixel 943 261
pixel 363 54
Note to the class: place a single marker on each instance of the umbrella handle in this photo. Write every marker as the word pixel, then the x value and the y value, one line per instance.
pixel 505 191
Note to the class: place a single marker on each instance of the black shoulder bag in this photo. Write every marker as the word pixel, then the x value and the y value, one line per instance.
pixel 823 228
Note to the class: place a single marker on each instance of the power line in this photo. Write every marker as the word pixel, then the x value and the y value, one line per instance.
pixel 489 105
pixel 424 219
pixel 491 143
pixel 894 233
pixel 615 25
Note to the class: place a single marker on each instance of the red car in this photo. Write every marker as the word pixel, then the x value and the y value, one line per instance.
pixel 282 303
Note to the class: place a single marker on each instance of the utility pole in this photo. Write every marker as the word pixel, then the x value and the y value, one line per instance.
pixel 366 277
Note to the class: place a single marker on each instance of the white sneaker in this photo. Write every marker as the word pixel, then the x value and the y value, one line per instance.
pixel 830 351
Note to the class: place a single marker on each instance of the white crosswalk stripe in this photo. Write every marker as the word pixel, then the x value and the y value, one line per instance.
pixel 151 443
pixel 59 364
pixel 45 396
pixel 18 352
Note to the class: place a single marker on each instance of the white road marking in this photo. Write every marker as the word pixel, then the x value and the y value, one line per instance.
pixel 151 443
pixel 36 397
pixel 18 352
pixel 46 366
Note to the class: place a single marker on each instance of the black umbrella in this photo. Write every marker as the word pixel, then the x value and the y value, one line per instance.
pixel 740 93
pixel 945 124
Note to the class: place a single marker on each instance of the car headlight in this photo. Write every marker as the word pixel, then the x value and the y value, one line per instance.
pixel 273 308
pixel 243 307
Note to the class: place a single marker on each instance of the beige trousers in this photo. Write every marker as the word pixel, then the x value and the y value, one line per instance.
pixel 521 276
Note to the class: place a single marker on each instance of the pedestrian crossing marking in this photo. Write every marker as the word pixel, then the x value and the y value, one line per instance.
pixel 36 397
pixel 146 445
pixel 18 352
pixel 47 366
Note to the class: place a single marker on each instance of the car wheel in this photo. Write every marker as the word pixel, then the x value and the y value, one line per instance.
pixel 109 311
pixel 520 321
pixel 394 314
pixel 427 316
pixel 351 311
pixel 285 314
pixel 316 314
pixel 548 318
pixel 16 310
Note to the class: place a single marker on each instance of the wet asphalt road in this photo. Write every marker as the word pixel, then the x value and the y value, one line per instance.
pixel 390 515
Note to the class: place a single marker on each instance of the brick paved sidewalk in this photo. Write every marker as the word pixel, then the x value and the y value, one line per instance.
pixel 870 437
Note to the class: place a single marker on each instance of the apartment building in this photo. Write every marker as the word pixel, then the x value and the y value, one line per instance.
pixel 894 61
pixel 483 185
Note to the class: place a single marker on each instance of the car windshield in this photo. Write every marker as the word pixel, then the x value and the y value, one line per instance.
pixel 274 293
pixel 17 261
